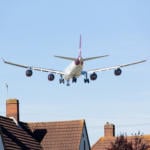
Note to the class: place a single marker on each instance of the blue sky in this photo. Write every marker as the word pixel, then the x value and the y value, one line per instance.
pixel 32 32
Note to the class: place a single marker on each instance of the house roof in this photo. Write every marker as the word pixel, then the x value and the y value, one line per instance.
pixel 16 137
pixel 64 135
pixel 104 142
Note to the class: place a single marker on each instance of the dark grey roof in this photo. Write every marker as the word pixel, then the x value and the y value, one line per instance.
pixel 16 136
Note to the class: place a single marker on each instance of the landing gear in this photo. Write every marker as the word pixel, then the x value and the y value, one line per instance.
pixel 74 80
pixel 86 80
pixel 61 80
pixel 68 84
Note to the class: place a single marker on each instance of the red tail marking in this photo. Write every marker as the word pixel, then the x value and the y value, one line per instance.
pixel 80 46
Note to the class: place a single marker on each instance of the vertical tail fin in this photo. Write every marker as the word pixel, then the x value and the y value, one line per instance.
pixel 80 46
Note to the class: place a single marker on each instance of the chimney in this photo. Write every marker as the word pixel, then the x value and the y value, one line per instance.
pixel 12 108
pixel 109 130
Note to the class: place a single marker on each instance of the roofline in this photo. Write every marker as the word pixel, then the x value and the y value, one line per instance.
pixel 84 125
pixel 101 139
pixel 82 120
pixel 144 136
pixel 1 134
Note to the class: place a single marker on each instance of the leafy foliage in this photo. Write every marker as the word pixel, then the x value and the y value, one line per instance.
pixel 135 143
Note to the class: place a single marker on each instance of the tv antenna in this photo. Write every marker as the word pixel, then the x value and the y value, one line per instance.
pixel 6 85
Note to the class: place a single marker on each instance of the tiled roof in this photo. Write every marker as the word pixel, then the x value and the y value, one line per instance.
pixel 16 137
pixel 105 142
pixel 65 135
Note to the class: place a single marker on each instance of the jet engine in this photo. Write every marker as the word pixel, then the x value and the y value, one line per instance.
pixel 118 72
pixel 29 73
pixel 51 77
pixel 93 76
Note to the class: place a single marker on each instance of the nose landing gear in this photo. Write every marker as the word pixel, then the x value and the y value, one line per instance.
pixel 68 84
pixel 74 80
pixel 86 80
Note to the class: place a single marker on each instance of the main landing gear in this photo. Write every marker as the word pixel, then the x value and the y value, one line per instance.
pixel 61 80
pixel 86 80
pixel 74 80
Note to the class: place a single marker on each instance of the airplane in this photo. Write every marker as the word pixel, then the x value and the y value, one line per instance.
pixel 75 68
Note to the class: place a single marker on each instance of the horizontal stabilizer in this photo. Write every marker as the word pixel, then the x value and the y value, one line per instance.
pixel 67 58
pixel 91 58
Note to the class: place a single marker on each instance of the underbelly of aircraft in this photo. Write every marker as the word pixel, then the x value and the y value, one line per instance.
pixel 75 72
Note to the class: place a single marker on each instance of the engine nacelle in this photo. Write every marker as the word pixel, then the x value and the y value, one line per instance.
pixel 118 72
pixel 51 77
pixel 29 73
pixel 93 76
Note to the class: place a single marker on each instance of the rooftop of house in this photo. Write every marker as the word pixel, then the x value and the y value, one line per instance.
pixel 58 135
pixel 64 135
pixel 46 135
pixel 16 137
pixel 104 142
pixel 109 137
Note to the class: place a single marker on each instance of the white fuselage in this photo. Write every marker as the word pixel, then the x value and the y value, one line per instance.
pixel 73 70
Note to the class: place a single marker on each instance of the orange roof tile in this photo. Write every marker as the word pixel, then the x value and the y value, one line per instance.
pixel 105 142
pixel 64 135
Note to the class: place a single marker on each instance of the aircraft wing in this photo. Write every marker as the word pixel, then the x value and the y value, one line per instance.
pixel 115 67
pixel 34 68
pixel 48 70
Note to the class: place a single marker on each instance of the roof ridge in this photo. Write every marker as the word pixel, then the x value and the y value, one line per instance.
pixel 63 121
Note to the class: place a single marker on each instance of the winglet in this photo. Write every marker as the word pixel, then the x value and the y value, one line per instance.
pixel 3 59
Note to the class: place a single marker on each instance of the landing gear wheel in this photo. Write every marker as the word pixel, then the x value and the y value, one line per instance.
pixel 61 81
pixel 68 84
pixel 74 80
pixel 86 80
